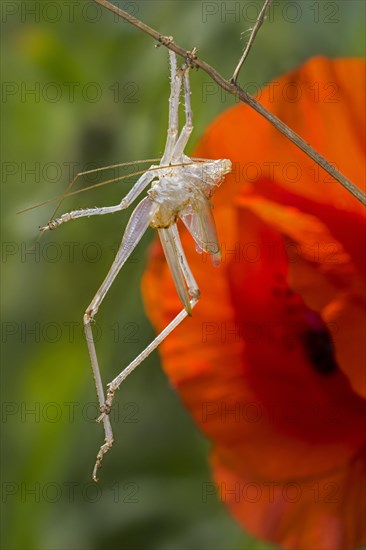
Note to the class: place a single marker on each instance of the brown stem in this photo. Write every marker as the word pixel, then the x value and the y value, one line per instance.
pixel 236 91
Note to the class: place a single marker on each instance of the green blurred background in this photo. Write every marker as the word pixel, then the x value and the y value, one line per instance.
pixel 82 89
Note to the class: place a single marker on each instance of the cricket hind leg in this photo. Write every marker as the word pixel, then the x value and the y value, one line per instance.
pixel 136 227
pixel 167 240
pixel 194 294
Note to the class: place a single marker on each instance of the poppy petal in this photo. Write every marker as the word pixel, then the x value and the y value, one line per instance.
pixel 270 364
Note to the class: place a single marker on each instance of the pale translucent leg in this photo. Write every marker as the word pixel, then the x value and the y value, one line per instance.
pixel 176 84
pixel 194 294
pixel 85 173
pixel 188 127
pixel 178 265
pixel 166 236
pixel 69 192
pixel 138 188
pixel 136 227
pixel 188 275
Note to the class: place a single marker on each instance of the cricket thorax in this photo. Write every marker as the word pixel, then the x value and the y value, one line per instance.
pixel 172 195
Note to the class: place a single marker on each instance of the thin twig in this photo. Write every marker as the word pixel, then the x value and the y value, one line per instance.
pixel 252 36
pixel 236 91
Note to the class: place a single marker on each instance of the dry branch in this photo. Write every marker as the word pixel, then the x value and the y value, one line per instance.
pixel 235 90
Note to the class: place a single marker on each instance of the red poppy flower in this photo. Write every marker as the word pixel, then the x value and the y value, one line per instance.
pixel 271 365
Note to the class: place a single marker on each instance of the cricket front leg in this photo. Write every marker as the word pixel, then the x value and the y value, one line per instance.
pixel 136 190
pixel 175 88
pixel 187 129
